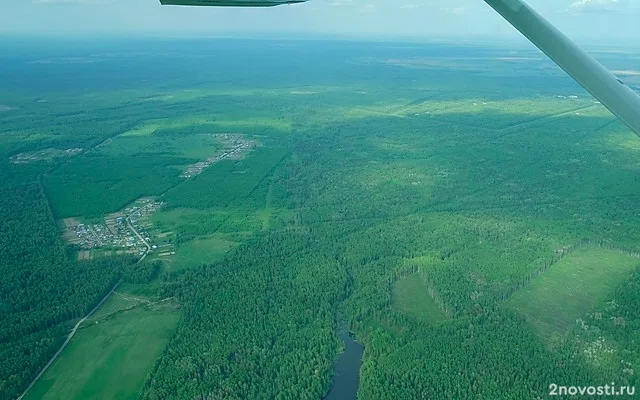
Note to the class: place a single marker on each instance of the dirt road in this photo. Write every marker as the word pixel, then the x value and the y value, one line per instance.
pixel 135 232
pixel 71 334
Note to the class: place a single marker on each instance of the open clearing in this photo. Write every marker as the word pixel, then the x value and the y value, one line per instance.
pixel 410 296
pixel 110 357
pixel 184 147
pixel 200 251
pixel 143 130
pixel 569 289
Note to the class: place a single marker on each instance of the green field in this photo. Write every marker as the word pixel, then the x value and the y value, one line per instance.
pixel 114 304
pixel 568 290
pixel 472 165
pixel 188 223
pixel 143 130
pixel 110 357
pixel 410 296
pixel 200 251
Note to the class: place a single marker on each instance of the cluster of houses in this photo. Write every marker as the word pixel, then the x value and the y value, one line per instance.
pixel 44 155
pixel 118 234
pixel 236 147
pixel 127 230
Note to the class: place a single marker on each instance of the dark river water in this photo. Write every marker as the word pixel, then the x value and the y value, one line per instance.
pixel 347 371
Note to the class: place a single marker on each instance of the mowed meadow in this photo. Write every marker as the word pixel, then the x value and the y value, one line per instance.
pixel 468 212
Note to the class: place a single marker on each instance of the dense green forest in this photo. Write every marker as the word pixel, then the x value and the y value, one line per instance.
pixel 498 187
pixel 42 291
pixel 378 226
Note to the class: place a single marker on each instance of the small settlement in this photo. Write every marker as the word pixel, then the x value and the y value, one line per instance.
pixel 44 155
pixel 128 231
pixel 235 148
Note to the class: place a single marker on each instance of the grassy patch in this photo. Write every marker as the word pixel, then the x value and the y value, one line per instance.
pixel 115 303
pixel 143 130
pixel 193 147
pixel 192 222
pixel 200 251
pixel 411 297
pixel 569 289
pixel 110 358
pixel 169 219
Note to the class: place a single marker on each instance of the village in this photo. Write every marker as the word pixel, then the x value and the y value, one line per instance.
pixel 236 145
pixel 128 231
pixel 44 155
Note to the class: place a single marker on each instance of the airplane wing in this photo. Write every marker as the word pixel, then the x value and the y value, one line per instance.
pixel 620 99
pixel 229 3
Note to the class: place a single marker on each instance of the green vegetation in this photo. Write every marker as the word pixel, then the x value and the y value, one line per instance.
pixel 287 298
pixel 143 272
pixel 42 292
pixel 607 338
pixel 434 200
pixel 229 184
pixel 94 185
pixel 111 356
pixel 200 251
pixel 410 296
pixel 164 142
pixel 144 130
pixel 571 288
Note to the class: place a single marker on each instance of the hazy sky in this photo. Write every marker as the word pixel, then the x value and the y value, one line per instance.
pixel 608 20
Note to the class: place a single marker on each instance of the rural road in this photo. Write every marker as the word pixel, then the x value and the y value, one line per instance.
pixel 71 334
pixel 135 232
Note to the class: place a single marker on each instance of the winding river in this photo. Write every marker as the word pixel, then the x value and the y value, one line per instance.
pixel 347 370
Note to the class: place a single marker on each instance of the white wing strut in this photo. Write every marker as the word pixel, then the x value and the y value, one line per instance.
pixel 602 84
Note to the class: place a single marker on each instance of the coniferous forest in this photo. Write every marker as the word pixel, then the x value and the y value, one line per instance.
pixel 470 217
